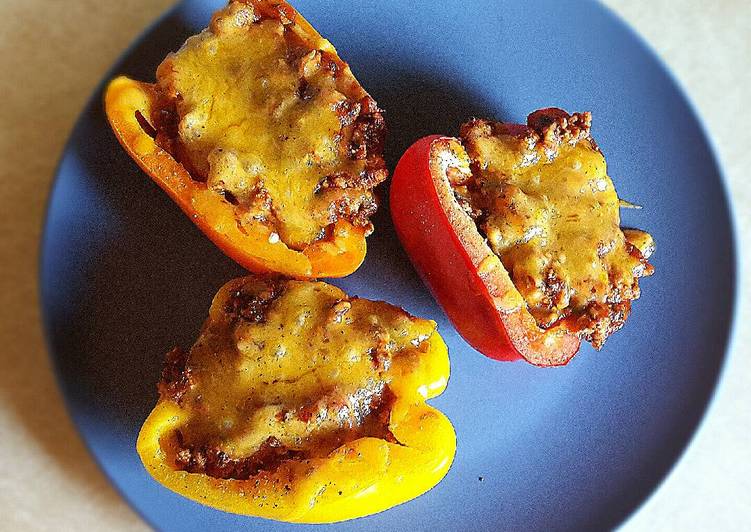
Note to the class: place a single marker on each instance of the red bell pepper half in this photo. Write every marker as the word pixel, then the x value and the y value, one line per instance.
pixel 466 278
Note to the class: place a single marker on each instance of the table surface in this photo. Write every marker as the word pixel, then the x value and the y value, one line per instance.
pixel 58 51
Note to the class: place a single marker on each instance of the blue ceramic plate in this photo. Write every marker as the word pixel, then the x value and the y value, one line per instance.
pixel 126 276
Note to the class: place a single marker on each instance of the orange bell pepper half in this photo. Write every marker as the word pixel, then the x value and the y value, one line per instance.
pixel 127 104
pixel 276 146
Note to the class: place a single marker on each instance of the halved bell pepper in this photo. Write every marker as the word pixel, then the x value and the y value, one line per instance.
pixel 467 279
pixel 300 404
pixel 342 253
pixel 260 109
pixel 516 230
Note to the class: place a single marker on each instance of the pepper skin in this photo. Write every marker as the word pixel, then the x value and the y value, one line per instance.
pixel 133 109
pixel 467 279
pixel 220 384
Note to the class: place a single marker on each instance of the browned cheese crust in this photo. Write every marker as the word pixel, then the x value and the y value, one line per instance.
pixel 541 196
pixel 260 108
pixel 286 370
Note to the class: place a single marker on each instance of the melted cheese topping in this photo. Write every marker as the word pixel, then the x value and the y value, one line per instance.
pixel 259 119
pixel 555 224
pixel 307 372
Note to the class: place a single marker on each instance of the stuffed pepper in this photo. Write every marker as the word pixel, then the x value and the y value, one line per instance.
pixel 516 230
pixel 263 137
pixel 301 404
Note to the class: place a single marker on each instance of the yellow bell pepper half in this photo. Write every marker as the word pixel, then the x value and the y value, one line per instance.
pixel 328 342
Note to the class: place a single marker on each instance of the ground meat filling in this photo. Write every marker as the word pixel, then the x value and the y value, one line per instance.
pixel 176 376
pixel 217 464
pixel 266 114
pixel 285 370
pixel 541 196
pixel 272 452
pixel 253 306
